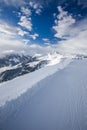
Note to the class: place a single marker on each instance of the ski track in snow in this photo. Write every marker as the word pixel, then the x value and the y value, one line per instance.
pixel 58 102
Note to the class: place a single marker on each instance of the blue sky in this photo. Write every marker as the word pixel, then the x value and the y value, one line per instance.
pixel 40 22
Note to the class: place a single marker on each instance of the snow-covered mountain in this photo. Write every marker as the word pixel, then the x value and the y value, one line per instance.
pixel 14 65
pixel 51 98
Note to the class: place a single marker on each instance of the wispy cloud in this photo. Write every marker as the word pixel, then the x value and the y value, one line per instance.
pixel 7 30
pixel 26 11
pixel 9 38
pixel 63 23
pixel 25 22
pixel 75 33
pixel 13 2
pixel 34 36
pixel 77 42
pixel 22 32
pixel 11 42
pixel 36 6
pixel 46 40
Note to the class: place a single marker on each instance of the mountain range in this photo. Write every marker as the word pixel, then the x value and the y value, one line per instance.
pixel 15 65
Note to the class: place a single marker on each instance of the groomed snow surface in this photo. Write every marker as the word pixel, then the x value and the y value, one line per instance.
pixel 52 98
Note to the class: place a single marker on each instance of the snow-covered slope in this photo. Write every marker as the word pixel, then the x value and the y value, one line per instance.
pixel 14 88
pixel 59 102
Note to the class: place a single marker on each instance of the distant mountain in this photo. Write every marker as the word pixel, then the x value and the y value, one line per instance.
pixel 13 59
pixel 15 65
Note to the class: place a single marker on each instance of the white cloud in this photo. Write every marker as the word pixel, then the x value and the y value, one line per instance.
pixel 34 36
pixel 13 2
pixel 25 22
pixel 7 30
pixel 10 31
pixel 46 40
pixel 63 23
pixel 35 49
pixel 10 42
pixel 9 38
pixel 75 33
pixel 26 11
pixel 38 11
pixel 54 15
pixel 77 42
pixel 21 32
pixel 36 6
pixel 33 4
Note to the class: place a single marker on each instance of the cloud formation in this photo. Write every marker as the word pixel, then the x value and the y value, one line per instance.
pixel 26 11
pixel 34 36
pixel 10 42
pixel 15 3
pixel 65 27
pixel 25 22
pixel 9 38
pixel 73 34
pixel 63 23
pixel 36 6
pixel 76 43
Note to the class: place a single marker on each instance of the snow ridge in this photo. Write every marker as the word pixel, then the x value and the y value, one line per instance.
pixel 13 89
